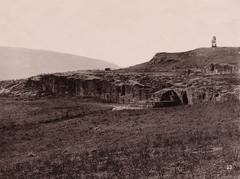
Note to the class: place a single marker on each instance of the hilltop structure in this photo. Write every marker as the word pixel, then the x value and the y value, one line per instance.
pixel 214 42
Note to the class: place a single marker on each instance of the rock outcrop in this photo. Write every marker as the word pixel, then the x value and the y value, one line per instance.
pixel 129 88
pixel 204 80
pixel 89 85
pixel 213 60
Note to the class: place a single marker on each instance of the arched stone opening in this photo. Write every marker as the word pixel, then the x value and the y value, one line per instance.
pixel 212 67
pixel 170 98
pixel 185 98
pixel 123 91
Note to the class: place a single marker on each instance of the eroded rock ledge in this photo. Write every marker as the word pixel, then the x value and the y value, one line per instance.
pixel 149 89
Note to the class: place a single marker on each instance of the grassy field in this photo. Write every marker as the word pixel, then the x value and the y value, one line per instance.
pixel 80 138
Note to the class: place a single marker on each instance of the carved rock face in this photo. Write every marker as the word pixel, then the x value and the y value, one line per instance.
pixel 221 68
pixel 153 89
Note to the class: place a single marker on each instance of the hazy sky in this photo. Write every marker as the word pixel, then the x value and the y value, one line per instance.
pixel 124 32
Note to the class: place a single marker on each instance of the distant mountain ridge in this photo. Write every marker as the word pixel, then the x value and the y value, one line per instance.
pixel 16 63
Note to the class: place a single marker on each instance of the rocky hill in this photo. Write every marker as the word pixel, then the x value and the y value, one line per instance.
pixel 18 63
pixel 198 76
pixel 221 59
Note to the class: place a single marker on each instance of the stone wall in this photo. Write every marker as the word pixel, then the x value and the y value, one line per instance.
pixel 221 68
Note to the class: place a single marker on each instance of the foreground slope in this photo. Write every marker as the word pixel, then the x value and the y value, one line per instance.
pixel 73 138
pixel 18 63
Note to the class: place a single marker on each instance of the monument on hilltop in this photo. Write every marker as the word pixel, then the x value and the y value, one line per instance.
pixel 214 42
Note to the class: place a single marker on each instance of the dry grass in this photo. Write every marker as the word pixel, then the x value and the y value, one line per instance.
pixel 69 138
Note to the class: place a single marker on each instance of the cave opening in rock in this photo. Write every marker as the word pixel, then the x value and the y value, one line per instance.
pixel 185 98
pixel 170 98
pixel 123 91
pixel 212 68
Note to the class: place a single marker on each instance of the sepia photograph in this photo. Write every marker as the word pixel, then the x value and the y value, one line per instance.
pixel 119 89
